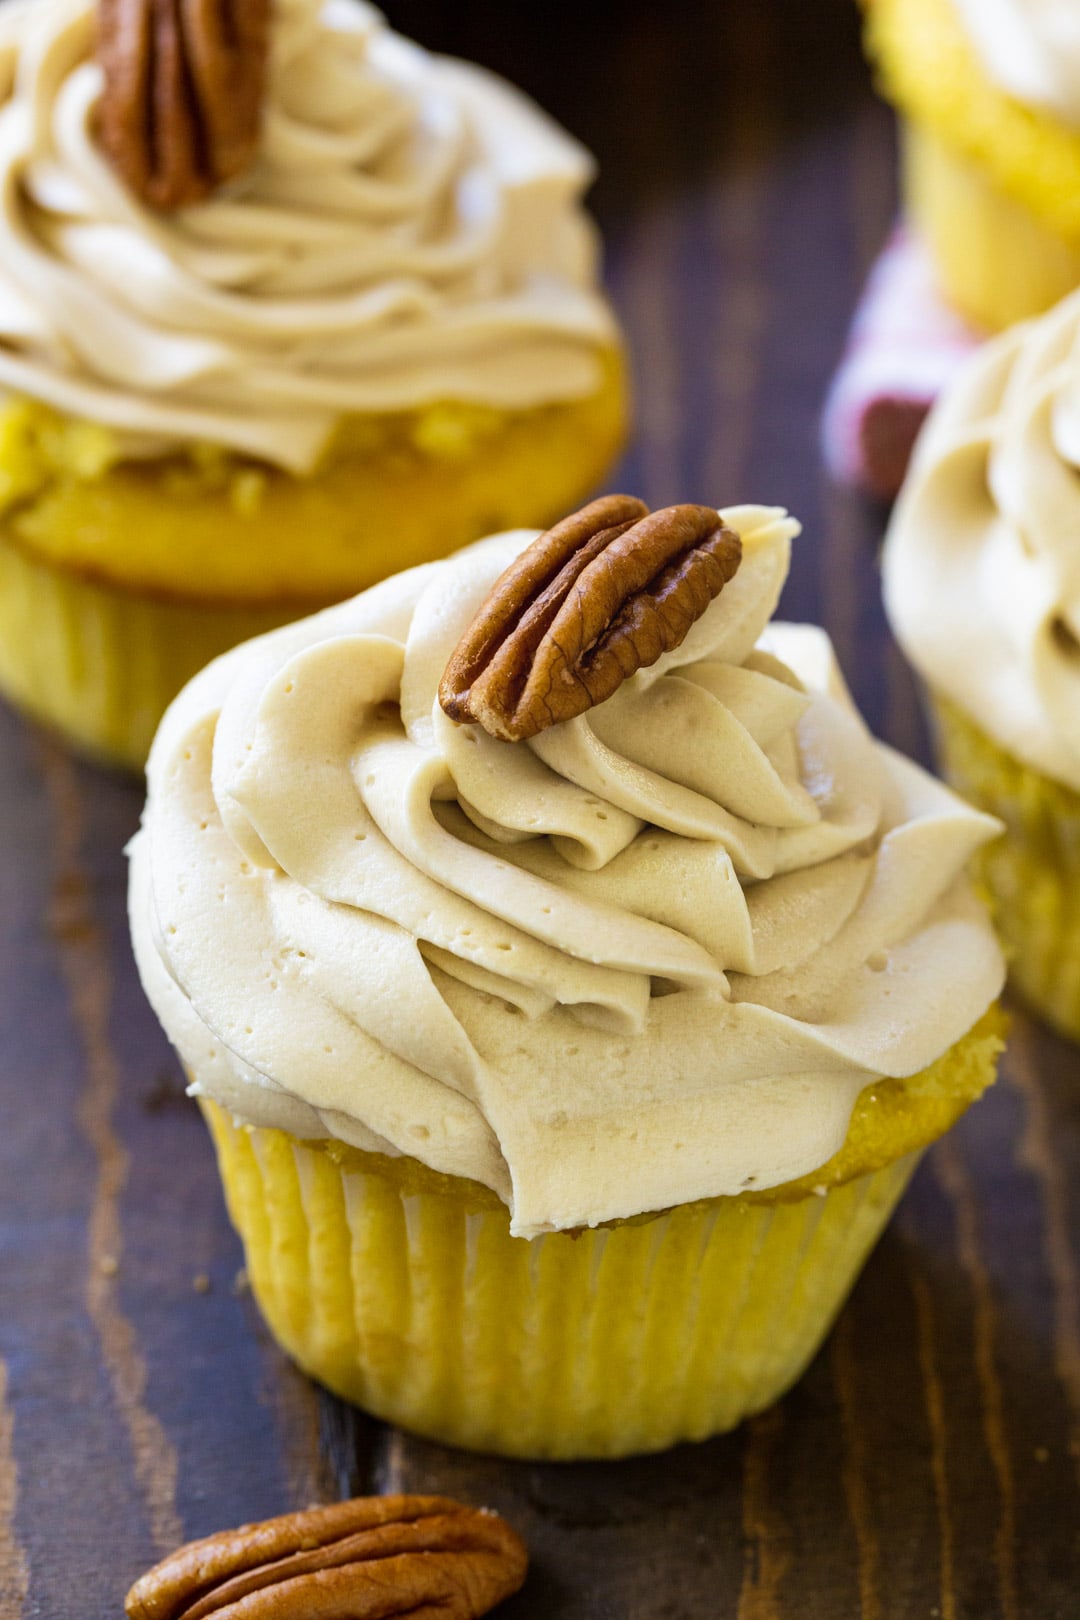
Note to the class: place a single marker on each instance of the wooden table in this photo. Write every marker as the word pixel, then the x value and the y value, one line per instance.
pixel 929 1463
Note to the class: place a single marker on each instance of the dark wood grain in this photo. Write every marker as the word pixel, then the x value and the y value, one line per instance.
pixel 928 1466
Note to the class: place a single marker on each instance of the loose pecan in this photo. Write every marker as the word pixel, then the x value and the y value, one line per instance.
pixel 601 595
pixel 182 101
pixel 368 1559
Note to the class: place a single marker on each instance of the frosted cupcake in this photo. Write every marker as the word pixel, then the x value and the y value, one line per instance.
pixel 569 981
pixel 982 584
pixel 215 409
pixel 990 95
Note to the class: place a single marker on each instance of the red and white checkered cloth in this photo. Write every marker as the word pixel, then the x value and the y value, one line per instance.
pixel 904 346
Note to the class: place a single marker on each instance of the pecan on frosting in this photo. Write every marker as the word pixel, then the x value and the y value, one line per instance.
pixel 604 593
pixel 377 1556
pixel 182 101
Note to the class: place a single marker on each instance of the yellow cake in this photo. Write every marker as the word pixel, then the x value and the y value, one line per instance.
pixel 983 593
pixel 565 1056
pixel 990 99
pixel 382 340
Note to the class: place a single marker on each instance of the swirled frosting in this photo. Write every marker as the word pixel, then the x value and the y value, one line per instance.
pixel 651 955
pixel 982 567
pixel 1030 49
pixel 411 231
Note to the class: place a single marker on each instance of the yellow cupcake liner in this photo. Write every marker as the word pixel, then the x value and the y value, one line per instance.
pixel 997 262
pixel 421 1308
pixel 1032 875
pixel 930 69
pixel 99 665
pixel 403 1290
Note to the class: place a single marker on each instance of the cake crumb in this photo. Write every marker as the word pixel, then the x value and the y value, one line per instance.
pixel 240 1281
pixel 109 1265
pixel 201 1283
pixel 246 492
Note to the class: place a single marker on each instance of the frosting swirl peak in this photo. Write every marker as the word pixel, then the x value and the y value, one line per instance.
pixel 410 232
pixel 982 570
pixel 651 954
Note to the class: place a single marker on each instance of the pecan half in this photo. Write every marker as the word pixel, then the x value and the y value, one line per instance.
pixel 601 595
pixel 182 102
pixel 368 1559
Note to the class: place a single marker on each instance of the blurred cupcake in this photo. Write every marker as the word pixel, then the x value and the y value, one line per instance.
pixel 265 338
pixel 989 91
pixel 982 585
pixel 567 1034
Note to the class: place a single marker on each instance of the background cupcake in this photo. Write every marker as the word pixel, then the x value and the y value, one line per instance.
pixel 562 1084
pixel 990 95
pixel 381 337
pixel 982 586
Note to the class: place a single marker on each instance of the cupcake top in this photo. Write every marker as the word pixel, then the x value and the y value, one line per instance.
pixel 410 231
pixel 651 953
pixel 982 568
pixel 1030 49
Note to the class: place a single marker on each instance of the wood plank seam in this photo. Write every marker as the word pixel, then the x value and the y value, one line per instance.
pixel 853 1468
pixel 81 950
pixel 926 1339
pixel 956 1183
pixel 743 310
pixel 14 1564
pixel 1035 1154
pixel 766 1553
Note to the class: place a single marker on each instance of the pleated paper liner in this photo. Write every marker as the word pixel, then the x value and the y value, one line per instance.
pixel 1032 874
pixel 99 665
pixel 404 1292
pixel 997 262
pixel 992 181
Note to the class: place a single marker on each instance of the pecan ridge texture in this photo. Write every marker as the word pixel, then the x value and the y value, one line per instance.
pixel 181 106
pixel 373 1558
pixel 603 594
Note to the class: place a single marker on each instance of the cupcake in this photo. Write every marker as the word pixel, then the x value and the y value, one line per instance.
pixel 989 91
pixel 249 367
pixel 982 587
pixel 569 981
